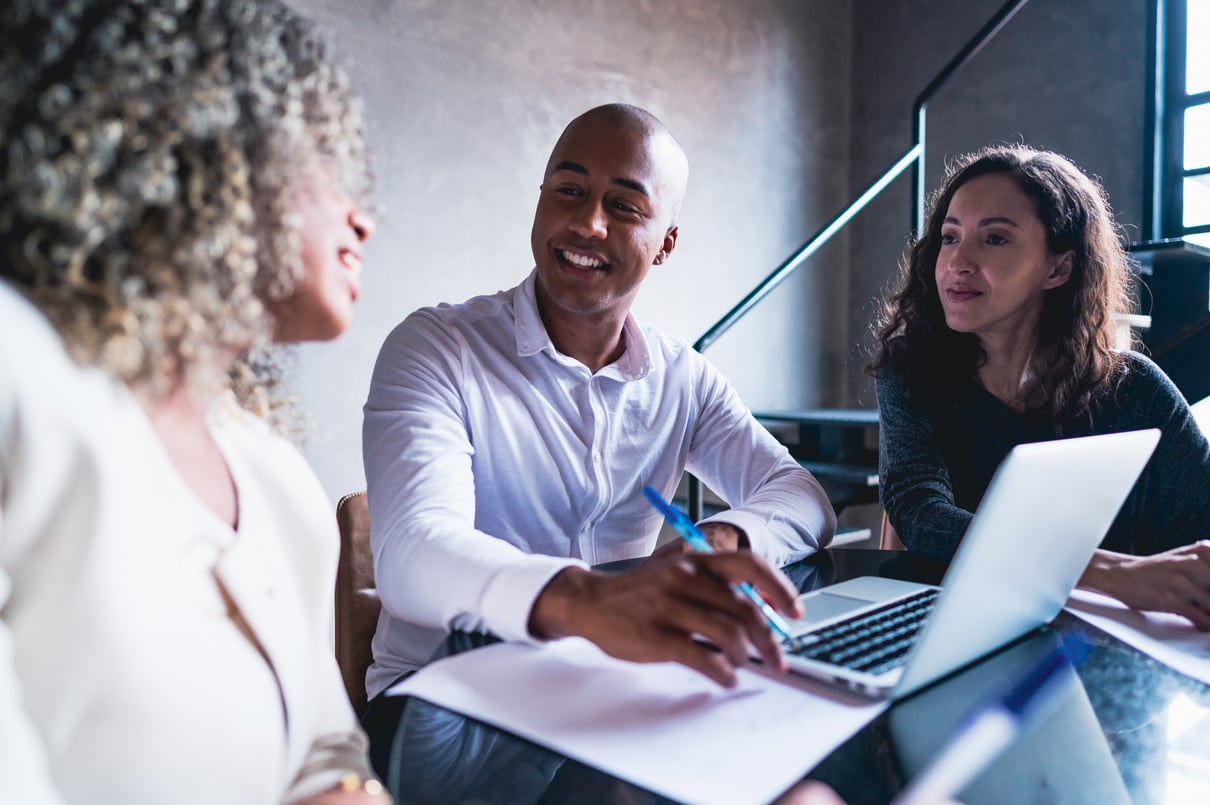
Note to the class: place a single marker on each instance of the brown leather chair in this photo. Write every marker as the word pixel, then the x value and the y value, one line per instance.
pixel 357 604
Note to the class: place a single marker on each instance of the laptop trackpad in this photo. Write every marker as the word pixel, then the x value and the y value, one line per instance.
pixel 823 606
pixel 854 594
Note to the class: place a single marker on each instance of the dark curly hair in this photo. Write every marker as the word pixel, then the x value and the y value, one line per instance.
pixel 1075 356
pixel 147 154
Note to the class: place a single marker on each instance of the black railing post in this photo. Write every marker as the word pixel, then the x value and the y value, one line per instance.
pixel 919 180
pixel 920 107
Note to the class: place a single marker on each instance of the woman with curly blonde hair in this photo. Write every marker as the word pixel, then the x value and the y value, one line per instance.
pixel 1001 332
pixel 176 181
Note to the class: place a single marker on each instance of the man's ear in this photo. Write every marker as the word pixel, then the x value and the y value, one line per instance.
pixel 668 245
pixel 1060 270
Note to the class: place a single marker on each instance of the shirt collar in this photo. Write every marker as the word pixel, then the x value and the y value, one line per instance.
pixel 532 337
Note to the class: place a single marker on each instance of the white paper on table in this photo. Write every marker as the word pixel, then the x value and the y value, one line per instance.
pixel 1171 639
pixel 660 726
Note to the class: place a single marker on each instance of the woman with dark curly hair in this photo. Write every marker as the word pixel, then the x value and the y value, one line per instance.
pixel 1001 332
pixel 176 181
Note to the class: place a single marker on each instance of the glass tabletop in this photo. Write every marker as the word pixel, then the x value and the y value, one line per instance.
pixel 1123 728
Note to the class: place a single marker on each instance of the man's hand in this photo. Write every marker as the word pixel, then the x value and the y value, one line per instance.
pixel 1174 581
pixel 725 537
pixel 651 613
pixel 721 536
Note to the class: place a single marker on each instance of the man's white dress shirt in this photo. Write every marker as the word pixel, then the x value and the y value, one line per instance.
pixel 493 462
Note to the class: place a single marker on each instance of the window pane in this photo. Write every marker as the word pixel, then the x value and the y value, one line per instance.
pixel 1197 55
pixel 1201 240
pixel 1197 200
pixel 1197 136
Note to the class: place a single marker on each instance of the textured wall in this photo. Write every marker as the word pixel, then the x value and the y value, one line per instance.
pixel 784 106
pixel 1068 75
pixel 465 99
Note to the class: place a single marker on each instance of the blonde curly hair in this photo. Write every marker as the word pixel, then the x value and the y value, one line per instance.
pixel 147 149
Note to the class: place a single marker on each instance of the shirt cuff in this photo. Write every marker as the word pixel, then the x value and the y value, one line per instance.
pixel 510 596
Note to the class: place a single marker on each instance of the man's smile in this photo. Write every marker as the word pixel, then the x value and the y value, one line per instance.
pixel 580 259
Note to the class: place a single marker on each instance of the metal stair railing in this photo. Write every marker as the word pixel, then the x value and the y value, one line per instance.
pixel 913 157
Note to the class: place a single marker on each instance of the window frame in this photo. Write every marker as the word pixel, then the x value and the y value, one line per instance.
pixel 1169 20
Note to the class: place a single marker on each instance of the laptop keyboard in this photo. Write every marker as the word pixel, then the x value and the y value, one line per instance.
pixel 872 642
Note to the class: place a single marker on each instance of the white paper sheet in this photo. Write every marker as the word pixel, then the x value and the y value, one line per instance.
pixel 660 726
pixel 1171 639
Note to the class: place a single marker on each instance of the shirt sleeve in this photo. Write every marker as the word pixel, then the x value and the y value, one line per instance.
pixel 915 487
pixel 777 503
pixel 417 450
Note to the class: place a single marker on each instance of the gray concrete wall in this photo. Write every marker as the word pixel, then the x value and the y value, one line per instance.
pixel 1068 75
pixel 786 107
pixel 465 99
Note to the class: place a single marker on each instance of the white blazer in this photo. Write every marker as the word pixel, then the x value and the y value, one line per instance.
pixel 123 677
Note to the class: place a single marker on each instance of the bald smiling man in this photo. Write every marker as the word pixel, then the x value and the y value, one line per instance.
pixel 508 438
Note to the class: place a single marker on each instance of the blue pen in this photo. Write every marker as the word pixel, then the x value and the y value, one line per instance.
pixel 697 540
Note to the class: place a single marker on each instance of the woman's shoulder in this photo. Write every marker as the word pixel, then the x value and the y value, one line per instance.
pixel 1141 374
pixel 1139 394
pixel 1138 362
pixel 889 385
pixel 39 378
pixel 27 338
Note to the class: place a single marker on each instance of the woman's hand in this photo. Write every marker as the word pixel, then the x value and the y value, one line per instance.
pixel 347 798
pixel 338 797
pixel 352 790
pixel 1175 581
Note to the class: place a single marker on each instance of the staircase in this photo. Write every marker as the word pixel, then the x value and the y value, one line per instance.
pixel 838 445
pixel 840 448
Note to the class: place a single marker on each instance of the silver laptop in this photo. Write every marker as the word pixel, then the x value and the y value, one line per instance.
pixel 1046 510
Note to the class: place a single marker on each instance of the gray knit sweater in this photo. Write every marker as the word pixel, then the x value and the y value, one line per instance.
pixel 936 461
